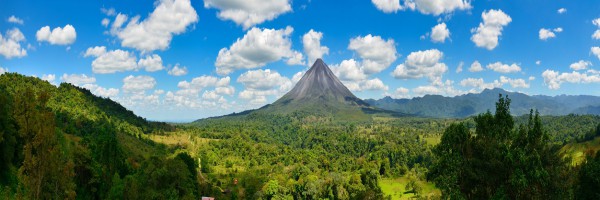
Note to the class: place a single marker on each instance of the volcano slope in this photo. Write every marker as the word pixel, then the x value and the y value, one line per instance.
pixel 320 93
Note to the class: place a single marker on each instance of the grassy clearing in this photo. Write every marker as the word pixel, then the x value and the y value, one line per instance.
pixel 433 140
pixel 182 140
pixel 578 151
pixel 396 188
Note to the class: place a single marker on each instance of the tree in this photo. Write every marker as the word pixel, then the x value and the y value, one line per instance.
pixel 46 173
pixel 498 161
pixel 8 141
pixel 452 153
pixel 271 189
pixel 589 179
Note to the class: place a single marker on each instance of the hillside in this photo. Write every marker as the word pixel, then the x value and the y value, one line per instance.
pixel 65 143
pixel 473 104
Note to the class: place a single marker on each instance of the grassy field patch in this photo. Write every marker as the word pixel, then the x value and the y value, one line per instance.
pixel 396 188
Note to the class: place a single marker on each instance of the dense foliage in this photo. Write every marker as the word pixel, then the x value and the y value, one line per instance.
pixel 589 177
pixel 307 157
pixel 501 161
pixel 64 143
pixel 567 128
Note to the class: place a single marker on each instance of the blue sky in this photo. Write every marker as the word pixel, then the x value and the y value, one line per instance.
pixel 179 60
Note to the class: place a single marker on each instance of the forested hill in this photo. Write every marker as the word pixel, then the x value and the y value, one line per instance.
pixel 473 104
pixel 65 143
pixel 76 103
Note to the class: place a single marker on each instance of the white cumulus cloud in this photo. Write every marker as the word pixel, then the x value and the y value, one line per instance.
pixel 58 35
pixel 561 10
pixel 481 84
pixel 48 77
pixel 429 7
pixel 78 79
pixel 596 34
pixel 596 51
pixel 515 83
pixel 257 48
pixel 296 58
pixel 354 78
pixel 111 61
pixel 553 79
pixel 400 93
pixel 421 64
pixel 439 33
pixel 138 84
pixel 178 71
pixel 105 22
pixel 476 67
pixel 349 70
pixel 169 18
pixel 101 91
pixel 151 63
pixel 249 13
pixel 546 34
pixel 16 20
pixel 388 6
pixel 95 51
pixel 372 84
pixel 10 44
pixel 460 67
pixel 262 79
pixel 189 91
pixel 489 31
pixel 504 68
pixel 437 7
pixel 580 65
pixel 377 54
pixel 262 83
pixel 445 88
pixel 312 46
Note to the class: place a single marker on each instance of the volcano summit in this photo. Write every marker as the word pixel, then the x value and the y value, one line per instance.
pixel 320 92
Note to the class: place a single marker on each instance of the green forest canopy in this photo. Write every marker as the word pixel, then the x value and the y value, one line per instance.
pixel 63 142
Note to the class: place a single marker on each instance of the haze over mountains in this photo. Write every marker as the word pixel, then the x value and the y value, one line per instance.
pixel 472 104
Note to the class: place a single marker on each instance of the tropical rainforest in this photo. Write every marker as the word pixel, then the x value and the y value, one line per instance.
pixel 62 142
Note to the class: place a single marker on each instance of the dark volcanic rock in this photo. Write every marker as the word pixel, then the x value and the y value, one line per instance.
pixel 320 84
pixel 319 80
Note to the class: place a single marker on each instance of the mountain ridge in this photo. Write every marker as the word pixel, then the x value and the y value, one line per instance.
pixel 474 103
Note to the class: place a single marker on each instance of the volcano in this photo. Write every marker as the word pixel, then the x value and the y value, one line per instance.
pixel 320 85
pixel 320 92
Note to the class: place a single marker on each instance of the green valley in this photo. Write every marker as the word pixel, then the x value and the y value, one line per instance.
pixel 63 142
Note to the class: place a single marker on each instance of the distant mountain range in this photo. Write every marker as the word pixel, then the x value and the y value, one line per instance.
pixel 473 104
pixel 320 93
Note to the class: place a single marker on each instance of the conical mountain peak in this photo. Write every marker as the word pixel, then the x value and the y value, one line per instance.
pixel 319 82
pixel 321 93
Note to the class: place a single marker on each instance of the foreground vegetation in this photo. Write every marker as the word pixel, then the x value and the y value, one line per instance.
pixel 64 143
